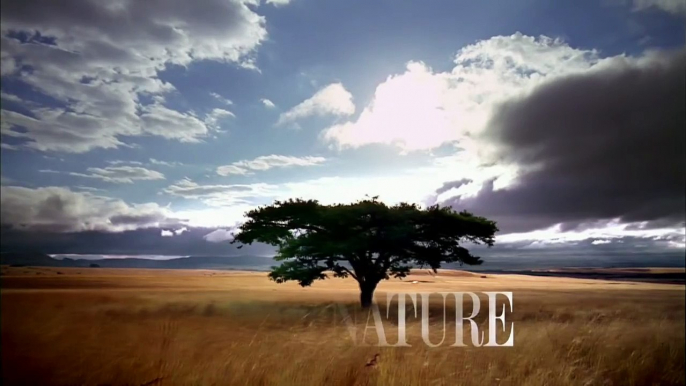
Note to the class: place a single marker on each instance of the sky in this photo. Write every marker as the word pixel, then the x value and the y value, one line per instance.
pixel 152 127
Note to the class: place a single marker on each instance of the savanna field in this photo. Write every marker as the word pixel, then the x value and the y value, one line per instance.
pixel 91 326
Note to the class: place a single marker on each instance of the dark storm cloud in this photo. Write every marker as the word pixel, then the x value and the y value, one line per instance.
pixel 627 251
pixel 57 220
pixel 59 209
pixel 133 242
pixel 608 143
pixel 137 219
pixel 452 185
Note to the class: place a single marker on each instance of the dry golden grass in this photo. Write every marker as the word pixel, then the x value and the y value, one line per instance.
pixel 132 327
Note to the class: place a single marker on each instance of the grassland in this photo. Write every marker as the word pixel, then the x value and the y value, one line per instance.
pixel 134 327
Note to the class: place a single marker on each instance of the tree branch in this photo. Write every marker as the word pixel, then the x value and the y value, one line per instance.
pixel 349 272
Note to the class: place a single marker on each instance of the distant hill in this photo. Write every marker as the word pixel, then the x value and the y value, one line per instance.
pixel 193 262
pixel 29 259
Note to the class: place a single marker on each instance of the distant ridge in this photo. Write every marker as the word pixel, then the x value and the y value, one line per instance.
pixel 257 263
pixel 260 263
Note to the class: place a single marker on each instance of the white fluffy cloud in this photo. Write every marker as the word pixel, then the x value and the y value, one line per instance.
pixel 117 174
pixel 246 167
pixel 267 103
pixel 103 57
pixel 219 235
pixel 62 210
pixel 423 109
pixel 172 233
pixel 333 99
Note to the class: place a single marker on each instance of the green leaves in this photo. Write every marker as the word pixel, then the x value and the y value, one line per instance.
pixel 305 274
pixel 367 240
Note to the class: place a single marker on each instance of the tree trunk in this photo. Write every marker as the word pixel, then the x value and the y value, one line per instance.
pixel 367 294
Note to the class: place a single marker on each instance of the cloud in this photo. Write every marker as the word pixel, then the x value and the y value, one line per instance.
pixel 137 242
pixel 604 232
pixel 55 209
pixel 7 146
pixel 10 97
pixel 232 170
pixel 116 174
pixel 212 119
pixel 95 61
pixel 267 103
pixel 165 163
pixel 172 233
pixel 219 235
pixel 579 138
pixel 415 185
pixel 228 203
pixel 152 161
pixel 87 188
pixel 221 99
pixel 333 99
pixel 218 194
pixel 121 162
pixel 422 109
pixel 460 188
pixel 171 124
pixel 278 3
pixel 601 242
pixel 605 144
pixel 676 7
pixel 262 163
pixel 7 64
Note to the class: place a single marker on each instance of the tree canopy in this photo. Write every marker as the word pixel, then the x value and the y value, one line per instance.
pixel 367 240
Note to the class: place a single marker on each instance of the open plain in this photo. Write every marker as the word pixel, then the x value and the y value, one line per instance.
pixel 92 326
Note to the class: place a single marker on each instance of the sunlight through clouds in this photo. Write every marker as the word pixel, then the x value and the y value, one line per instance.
pixel 422 109
pixel 115 116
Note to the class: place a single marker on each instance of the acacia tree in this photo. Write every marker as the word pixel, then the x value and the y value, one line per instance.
pixel 366 240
